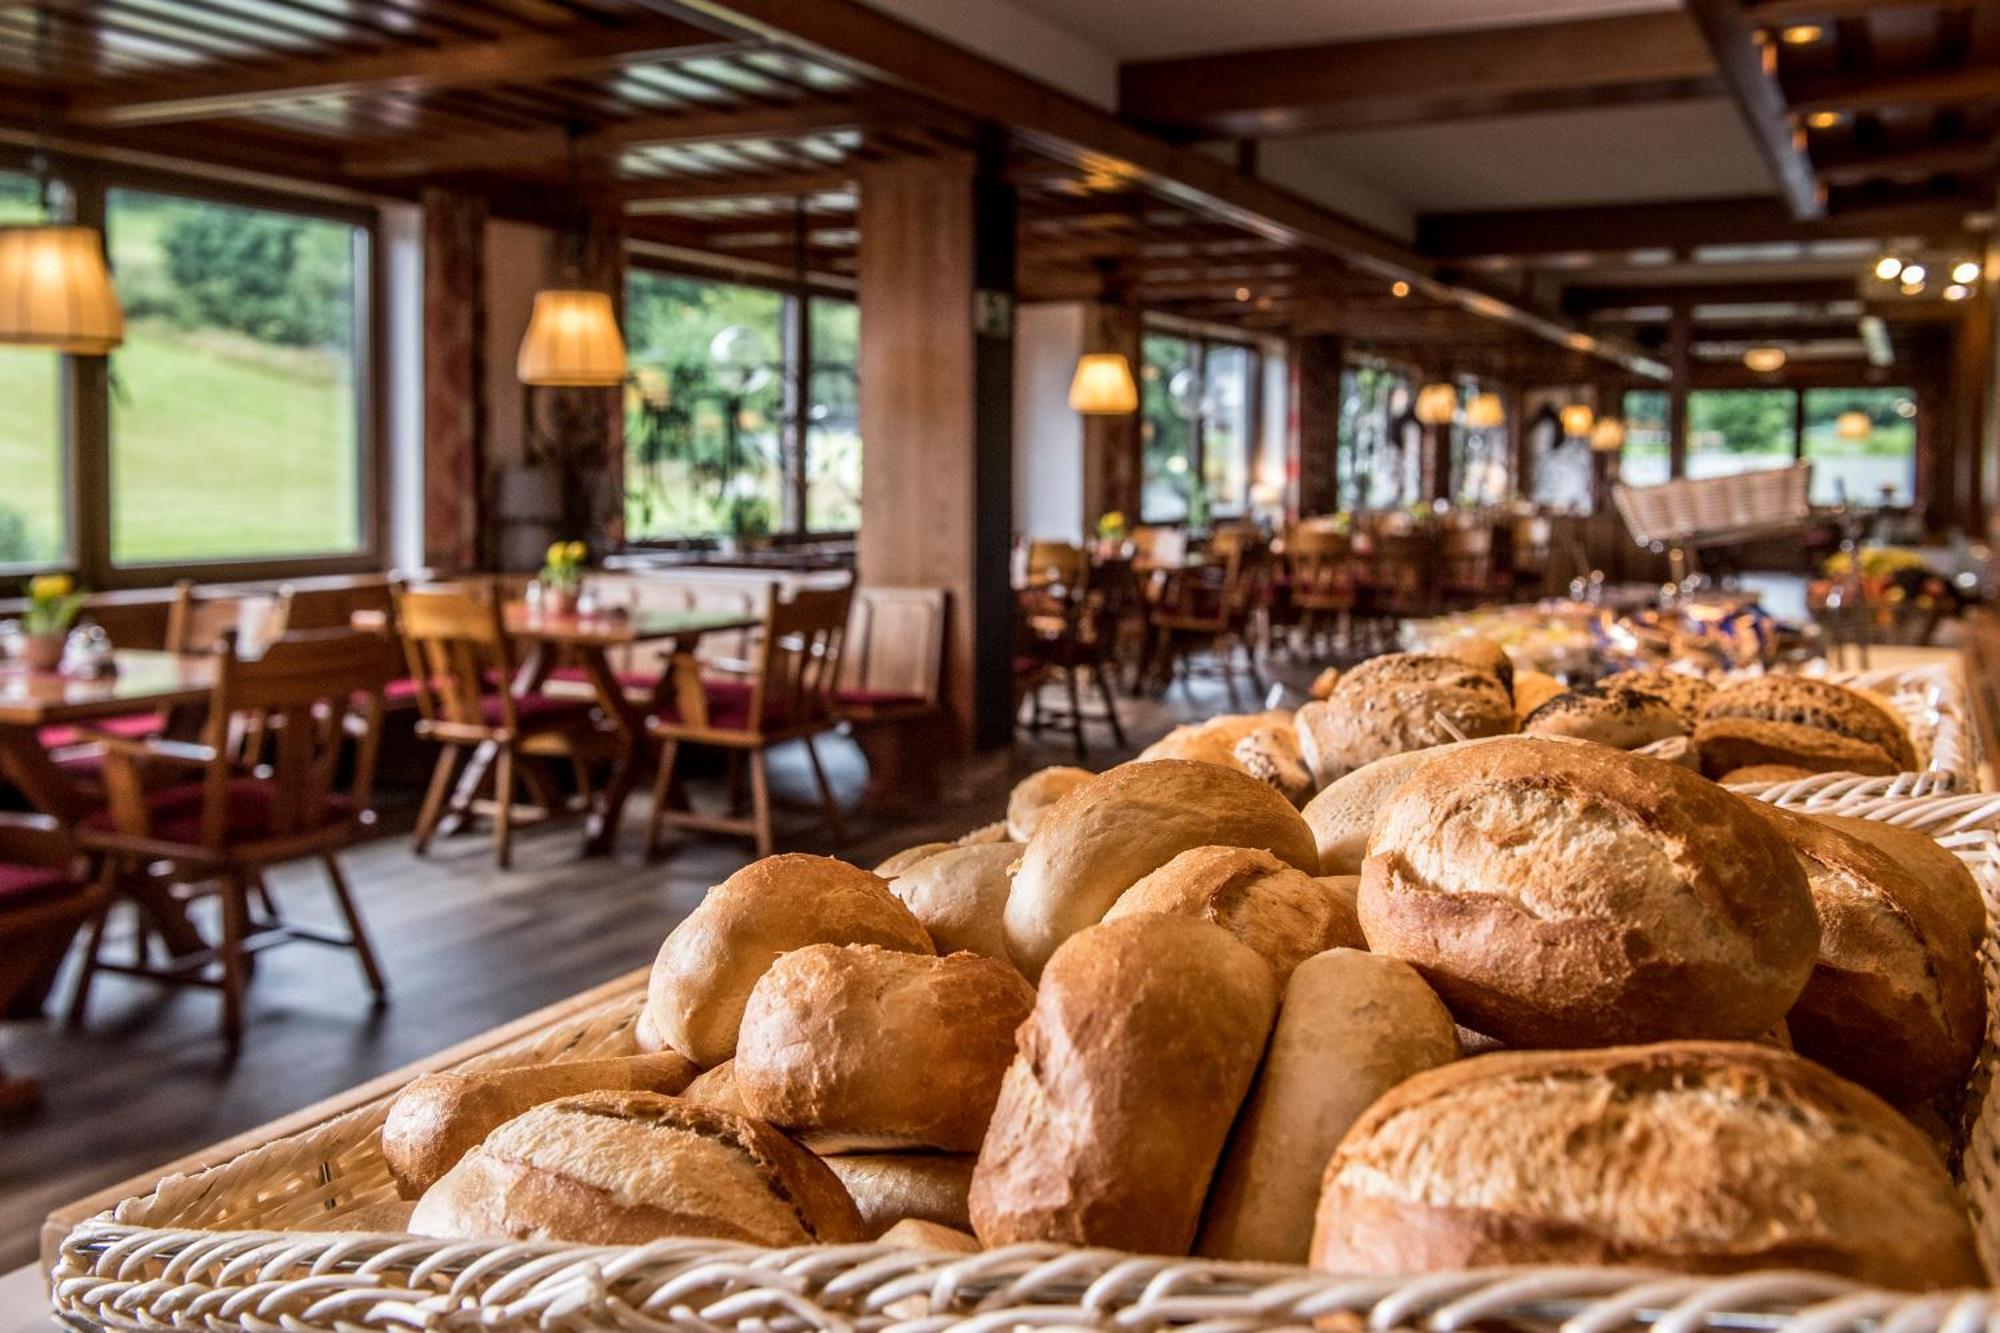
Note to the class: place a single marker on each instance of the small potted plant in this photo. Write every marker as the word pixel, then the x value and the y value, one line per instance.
pixel 562 577
pixel 53 603
pixel 1111 532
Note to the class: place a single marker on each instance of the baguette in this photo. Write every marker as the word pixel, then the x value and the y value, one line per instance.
pixel 889 1188
pixel 1283 913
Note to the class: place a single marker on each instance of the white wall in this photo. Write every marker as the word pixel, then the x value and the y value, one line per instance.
pixel 403 325
pixel 1048 436
pixel 1274 447
pixel 520 261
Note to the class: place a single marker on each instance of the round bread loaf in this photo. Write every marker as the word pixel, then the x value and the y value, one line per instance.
pixel 855 1047
pixel 1210 742
pixel 1896 1000
pixel 1283 913
pixel 1418 669
pixel 1102 837
pixel 1686 694
pixel 1532 689
pixel 1144 1038
pixel 1921 855
pixel 1576 895
pixel 960 895
pixel 911 857
pixel 644 1035
pixel 915 1234
pixel 1758 774
pixel 1819 704
pixel 1622 719
pixel 1345 893
pixel 716 1088
pixel 1033 795
pixel 1322 684
pixel 1351 1026
pixel 707 966
pixel 625 1168
pixel 1479 651
pixel 1342 816
pixel 894 1187
pixel 1399 702
pixel 1271 754
pixel 1698 1157
pixel 1730 743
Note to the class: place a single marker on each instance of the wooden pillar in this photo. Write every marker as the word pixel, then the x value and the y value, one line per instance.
pixel 1680 371
pixel 937 349
pixel 1520 458
pixel 454 403
pixel 1111 444
pixel 1317 362
pixel 1968 387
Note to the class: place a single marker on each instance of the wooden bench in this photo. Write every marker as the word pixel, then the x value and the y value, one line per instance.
pixel 891 675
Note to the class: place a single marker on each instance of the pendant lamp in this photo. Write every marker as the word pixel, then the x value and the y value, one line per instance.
pixel 1103 385
pixel 1437 404
pixel 1485 411
pixel 573 340
pixel 1577 419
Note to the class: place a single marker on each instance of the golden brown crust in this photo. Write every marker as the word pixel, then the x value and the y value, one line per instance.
pixel 1143 1041
pixel 706 967
pixel 1818 704
pixel 1104 836
pixel 1730 743
pixel 910 857
pixel 959 896
pixel 1686 694
pixel 716 1089
pixel 1400 702
pixel 1622 719
pixel 1280 911
pixel 1701 1157
pixel 1757 774
pixel 889 1188
pixel 1033 795
pixel 1576 895
pixel 612 1168
pixel 1922 855
pixel 875 1049
pixel 1532 689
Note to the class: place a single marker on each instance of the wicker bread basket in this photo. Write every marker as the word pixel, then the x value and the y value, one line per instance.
pixel 265 1241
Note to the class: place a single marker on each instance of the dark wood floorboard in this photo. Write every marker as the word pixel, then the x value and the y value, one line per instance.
pixel 464 947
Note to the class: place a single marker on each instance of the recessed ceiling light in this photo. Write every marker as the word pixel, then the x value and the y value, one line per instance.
pixel 1913 289
pixel 1958 291
pixel 1802 34
pixel 1914 273
pixel 1399 290
pixel 1764 360
pixel 1965 270
pixel 1242 293
pixel 1824 120
pixel 1888 268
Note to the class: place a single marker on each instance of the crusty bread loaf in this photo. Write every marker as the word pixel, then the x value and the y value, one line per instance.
pixel 1102 837
pixel 916 1234
pixel 1345 891
pixel 960 895
pixel 1731 743
pixel 1622 719
pixel 1322 684
pixel 1418 706
pixel 1575 895
pixel 1145 1035
pixel 1920 854
pixel 1479 651
pixel 1034 794
pixel 707 966
pixel 1701 1157
pixel 1818 704
pixel 856 1048
pixel 645 1036
pixel 1210 742
pixel 1283 913
pixel 1351 1026
pixel 716 1089
pixel 1757 774
pixel 1685 693
pixel 1895 1001
pixel 1343 814
pixel 888 1188
pixel 1271 754
pixel 1532 689
pixel 911 857
pixel 438 1118
pixel 1388 669
pixel 624 1168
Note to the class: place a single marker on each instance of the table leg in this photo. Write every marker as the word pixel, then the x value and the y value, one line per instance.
pixel 600 836
pixel 467 789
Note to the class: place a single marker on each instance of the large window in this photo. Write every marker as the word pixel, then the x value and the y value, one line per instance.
pixel 1645 461
pixel 34 527
pixel 1739 430
pixel 1369 456
pixel 1863 445
pixel 236 422
pixel 726 435
pixel 1199 400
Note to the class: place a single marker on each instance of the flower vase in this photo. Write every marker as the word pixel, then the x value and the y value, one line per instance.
pixel 43 652
pixel 558 600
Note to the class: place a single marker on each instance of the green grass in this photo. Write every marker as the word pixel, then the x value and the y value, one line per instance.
pixel 221 448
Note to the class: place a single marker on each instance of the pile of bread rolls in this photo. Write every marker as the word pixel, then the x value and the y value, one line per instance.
pixel 1165 1010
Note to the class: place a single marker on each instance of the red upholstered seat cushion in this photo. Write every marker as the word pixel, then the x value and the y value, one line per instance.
pixel 133 726
pixel 401 690
pixel 631 681
pixel 174 813
pixel 536 712
pixel 21 886
pixel 729 708
pixel 857 697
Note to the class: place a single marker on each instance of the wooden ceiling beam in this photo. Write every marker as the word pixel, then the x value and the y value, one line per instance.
pixel 1967 85
pixel 1750 72
pixel 1778 13
pixel 1415 80
pixel 1917 163
pixel 777 184
pixel 1618 229
pixel 1813 291
pixel 240 89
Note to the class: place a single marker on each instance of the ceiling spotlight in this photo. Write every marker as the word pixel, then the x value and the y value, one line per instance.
pixel 1965 270
pixel 1905 408
pixel 1888 268
pixel 1242 293
pixel 1958 291
pixel 1824 120
pixel 1914 273
pixel 1913 289
pixel 1399 289
pixel 1802 34
pixel 1765 360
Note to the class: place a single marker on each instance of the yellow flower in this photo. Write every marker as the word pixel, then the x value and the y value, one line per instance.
pixel 576 552
pixel 50 587
pixel 555 553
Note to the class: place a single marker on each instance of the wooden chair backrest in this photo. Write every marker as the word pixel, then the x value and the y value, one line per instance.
pixel 458 648
pixel 197 619
pixel 311 692
pixel 1053 562
pixel 1159 544
pixel 1321 559
pixel 798 659
pixel 895 642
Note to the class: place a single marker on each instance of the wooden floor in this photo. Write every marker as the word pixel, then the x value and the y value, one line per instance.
pixel 465 947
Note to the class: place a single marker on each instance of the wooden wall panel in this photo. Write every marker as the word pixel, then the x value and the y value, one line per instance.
pixel 1317 362
pixel 454 344
pixel 1112 444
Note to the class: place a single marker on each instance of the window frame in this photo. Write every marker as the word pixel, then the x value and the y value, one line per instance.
pixel 795 348
pixel 1199 344
pixel 85 408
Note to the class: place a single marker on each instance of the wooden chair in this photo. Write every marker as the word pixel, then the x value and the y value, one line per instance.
pixel 1064 634
pixel 1209 608
pixel 42 903
pixel 461 659
pixel 891 677
pixel 199 617
pixel 1323 583
pixel 788 695
pixel 219 829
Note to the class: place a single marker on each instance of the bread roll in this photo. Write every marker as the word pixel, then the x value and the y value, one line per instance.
pixel 1343 814
pixel 1210 742
pixel 915 1234
pixel 1271 754
pixel 707 966
pixel 716 1089
pixel 624 1168
pixel 1144 1038
pixel 857 1047
pixel 911 857
pixel 1421 703
pixel 1479 651
pixel 1102 837
pixel 1388 669
pixel 1896 1001
pixel 985 833
pixel 1731 743
pixel 1685 693
pixel 1758 774
pixel 1622 719
pixel 1922 855
pixel 1532 689
pixel 439 1118
pixel 888 1188
pixel 1350 1027
pixel 1323 683
pixel 645 1036
pixel 1345 891
pixel 960 895
pixel 1034 794
pixel 1576 895
pixel 1817 704
pixel 1699 1157
pixel 1280 911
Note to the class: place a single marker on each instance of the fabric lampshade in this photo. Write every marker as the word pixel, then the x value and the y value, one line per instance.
pixel 1853 426
pixel 572 342
pixel 1437 404
pixel 1608 435
pixel 1103 385
pixel 1577 420
pixel 1765 360
pixel 56 292
pixel 1485 411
